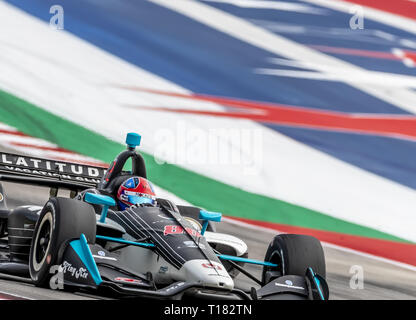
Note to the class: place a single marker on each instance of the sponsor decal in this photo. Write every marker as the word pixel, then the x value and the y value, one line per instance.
pixel 128 280
pixel 211 266
pixel 101 253
pixel 163 269
pixel 1 197
pixel 104 258
pixel 158 221
pixel 163 217
pixel 50 168
pixel 76 273
pixel 175 229
pixel 288 286
pixel 139 194
pixel 191 244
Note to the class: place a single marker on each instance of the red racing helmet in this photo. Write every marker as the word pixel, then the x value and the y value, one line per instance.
pixel 135 190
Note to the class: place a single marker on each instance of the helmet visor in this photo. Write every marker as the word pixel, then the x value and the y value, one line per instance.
pixel 141 200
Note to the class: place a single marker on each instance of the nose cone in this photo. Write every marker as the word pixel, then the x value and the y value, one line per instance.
pixel 208 273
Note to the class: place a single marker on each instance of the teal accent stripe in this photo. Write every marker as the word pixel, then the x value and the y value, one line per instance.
pixel 239 259
pixel 83 251
pixel 119 240
pixel 318 284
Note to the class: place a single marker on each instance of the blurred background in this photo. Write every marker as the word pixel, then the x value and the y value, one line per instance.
pixel 287 116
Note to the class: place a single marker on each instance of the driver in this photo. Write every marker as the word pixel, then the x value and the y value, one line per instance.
pixel 135 190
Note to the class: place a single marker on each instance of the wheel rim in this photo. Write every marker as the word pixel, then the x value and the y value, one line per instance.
pixel 42 242
pixel 276 258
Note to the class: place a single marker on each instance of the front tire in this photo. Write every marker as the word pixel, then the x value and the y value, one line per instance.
pixel 294 253
pixel 60 221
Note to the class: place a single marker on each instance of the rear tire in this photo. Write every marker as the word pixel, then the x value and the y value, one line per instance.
pixel 294 253
pixel 60 221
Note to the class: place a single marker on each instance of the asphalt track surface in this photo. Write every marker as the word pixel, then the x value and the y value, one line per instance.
pixel 382 280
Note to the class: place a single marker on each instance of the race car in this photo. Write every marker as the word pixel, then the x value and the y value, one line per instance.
pixel 150 249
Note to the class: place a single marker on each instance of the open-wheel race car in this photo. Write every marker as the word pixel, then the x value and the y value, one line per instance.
pixel 150 248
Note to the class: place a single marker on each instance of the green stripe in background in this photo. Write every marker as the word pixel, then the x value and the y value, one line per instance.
pixel 190 186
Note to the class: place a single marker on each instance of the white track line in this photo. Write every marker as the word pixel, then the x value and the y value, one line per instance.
pixel 14 295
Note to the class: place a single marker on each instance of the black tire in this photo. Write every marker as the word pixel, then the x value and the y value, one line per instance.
pixel 61 220
pixel 294 253
pixel 193 212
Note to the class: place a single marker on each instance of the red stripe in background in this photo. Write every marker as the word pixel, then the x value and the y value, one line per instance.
pixel 27 145
pixel 357 52
pixel 404 8
pixel 397 251
pixel 15 133
pixel 398 55
pixel 84 162
pixel 61 150
pixel 386 125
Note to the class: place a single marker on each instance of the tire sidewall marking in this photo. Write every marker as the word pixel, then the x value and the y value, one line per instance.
pixel 47 217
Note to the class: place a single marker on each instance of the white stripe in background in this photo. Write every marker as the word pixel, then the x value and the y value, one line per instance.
pixel 75 87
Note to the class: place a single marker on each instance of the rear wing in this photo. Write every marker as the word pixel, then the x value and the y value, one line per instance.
pixel 50 173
